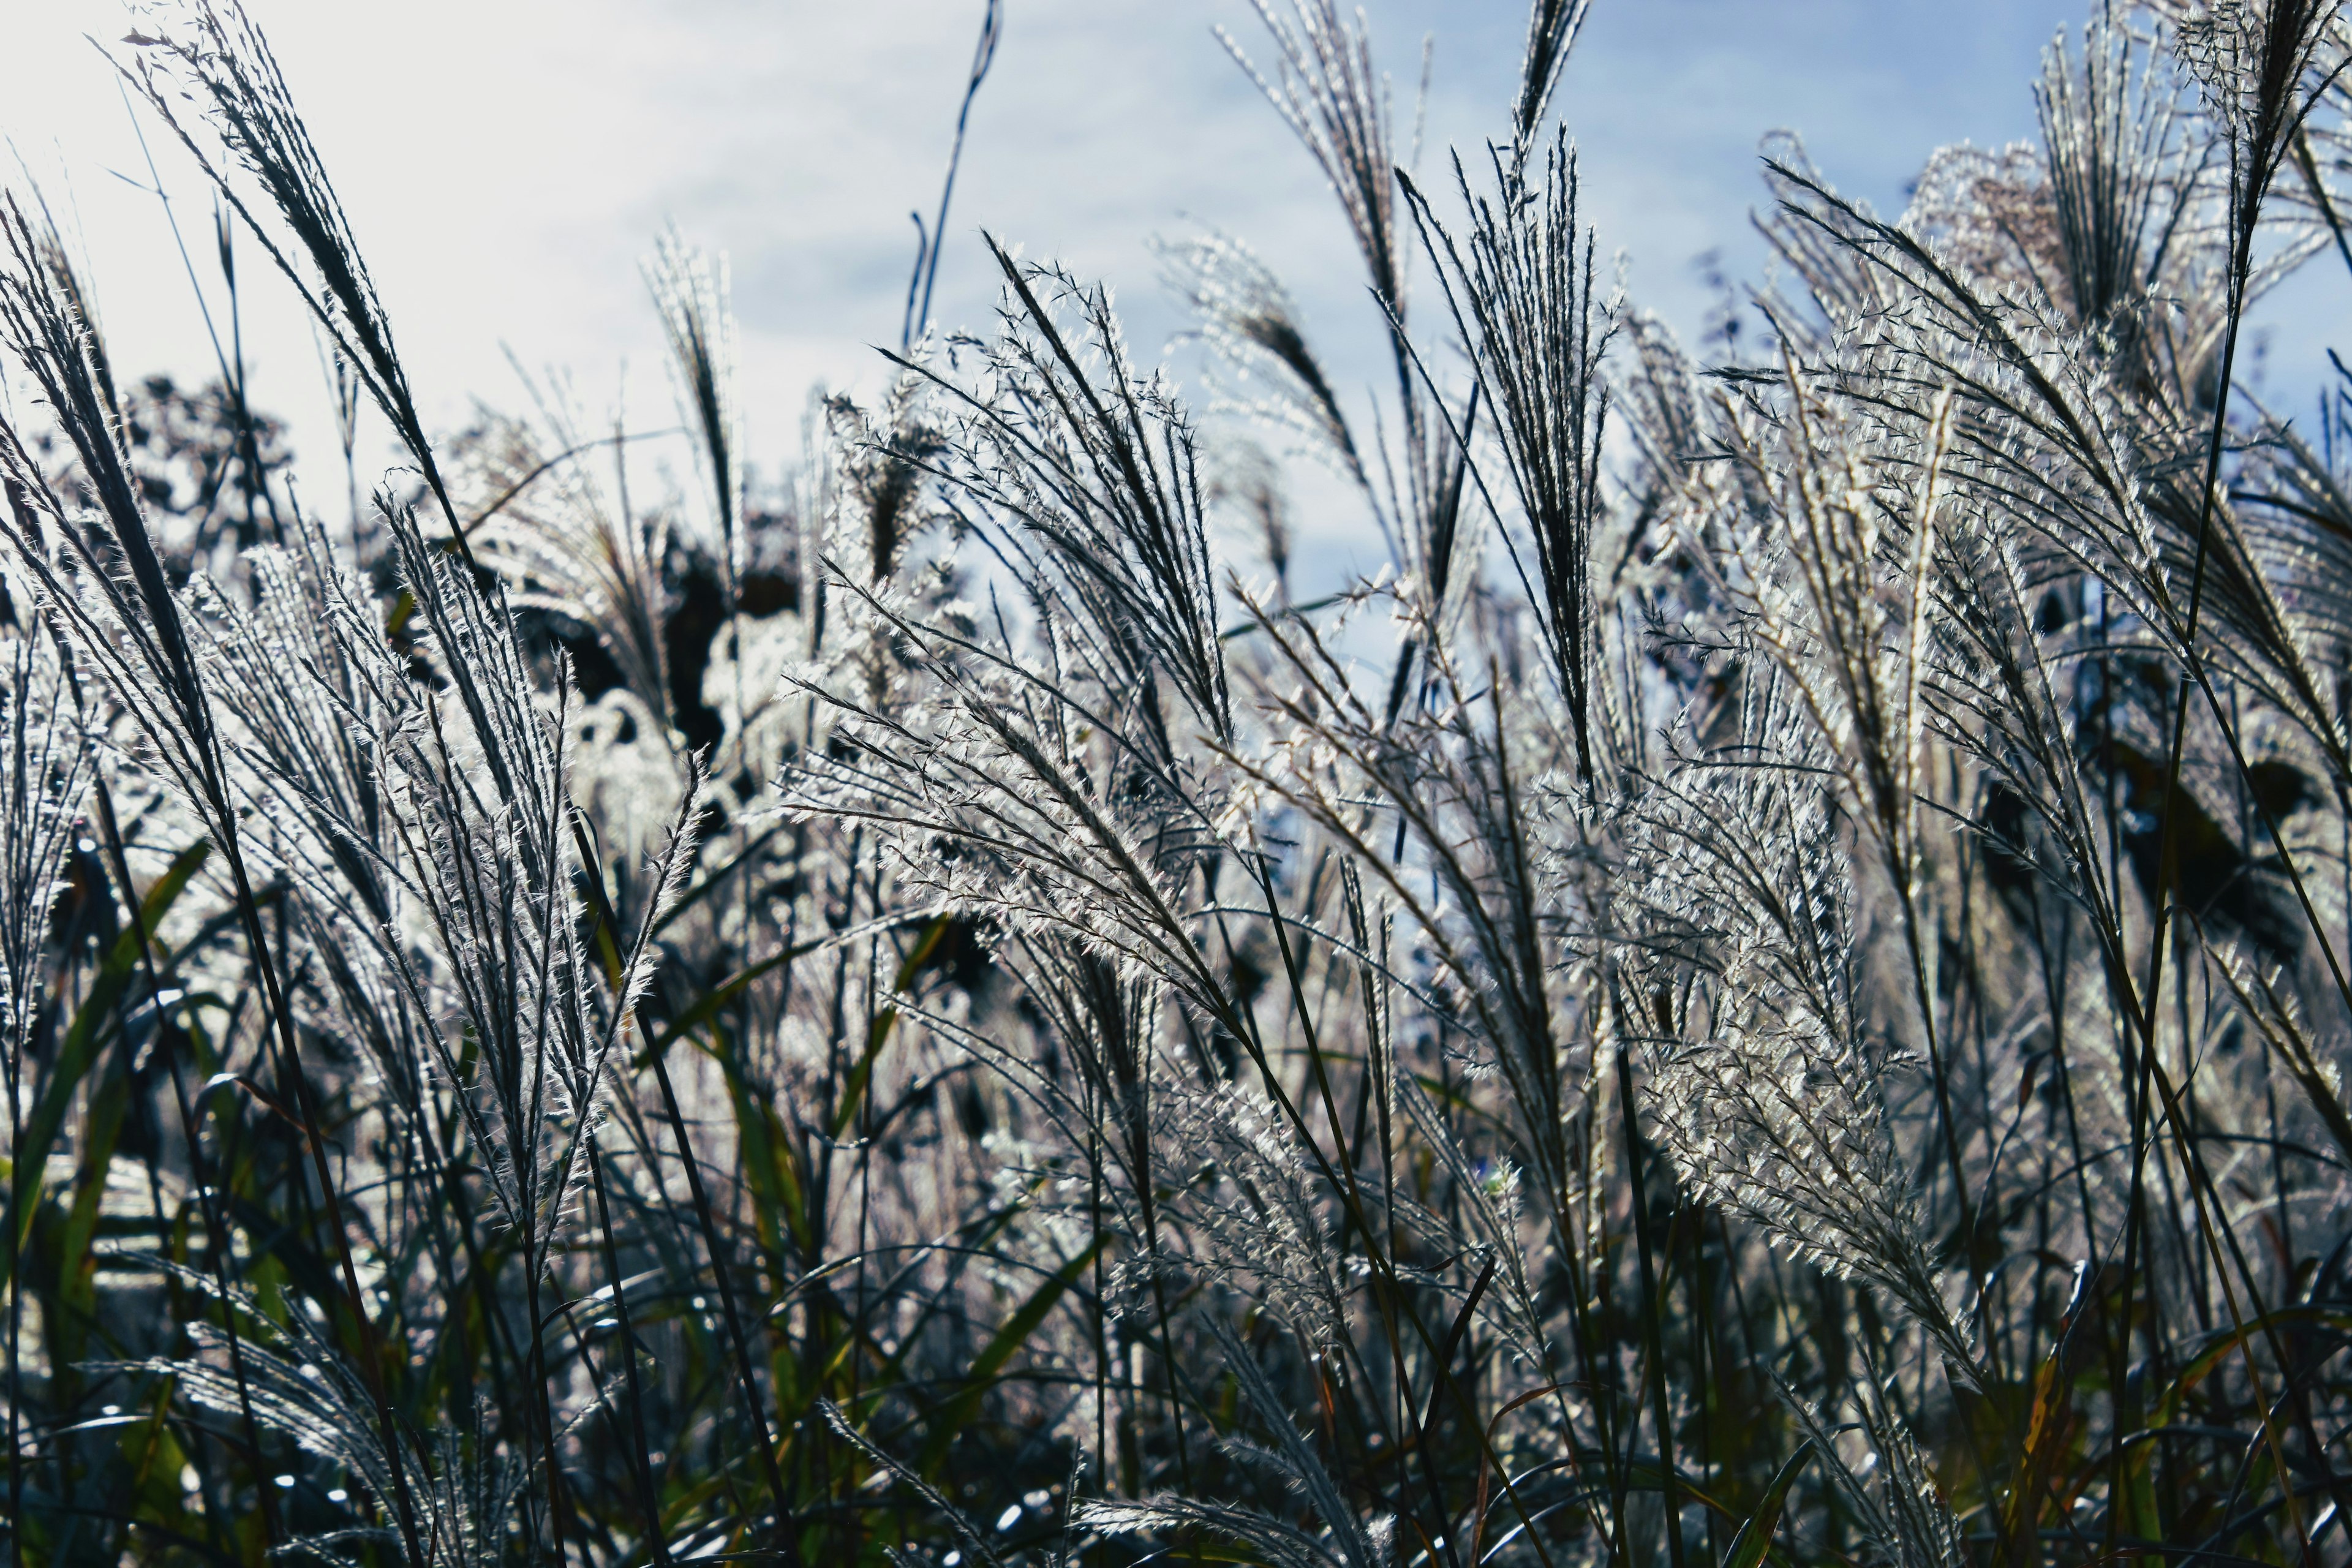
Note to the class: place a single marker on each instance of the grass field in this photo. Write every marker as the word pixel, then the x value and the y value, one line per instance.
pixel 1771 990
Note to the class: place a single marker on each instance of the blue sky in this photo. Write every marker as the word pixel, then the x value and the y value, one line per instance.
pixel 506 162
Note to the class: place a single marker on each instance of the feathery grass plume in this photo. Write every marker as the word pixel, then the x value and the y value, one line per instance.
pixel 44 328
pixel 1087 477
pixel 1991 215
pixel 373 778
pixel 691 291
pixel 1005 797
pixel 2123 191
pixel 299 1385
pixel 1768 1086
pixel 465 963
pixel 2295 497
pixel 2320 143
pixel 1843 608
pixel 494 877
pixel 2254 65
pixel 1893 1489
pixel 1484 1207
pixel 877 506
pixel 2271 1006
pixel 1344 1540
pixel 134 635
pixel 1479 901
pixel 1328 91
pixel 1249 318
pixel 1106 1022
pixel 67 279
pixel 1497 865
pixel 245 134
pixel 2102 475
pixel 1658 399
pixel 1493 916
pixel 2118 182
pixel 1247 1199
pixel 44 780
pixel 566 545
pixel 1524 299
pixel 1830 275
pixel 299 746
pixel 1247 486
pixel 1552 29
pixel 1336 103
pixel 2260 66
pixel 2000 693
pixel 2043 432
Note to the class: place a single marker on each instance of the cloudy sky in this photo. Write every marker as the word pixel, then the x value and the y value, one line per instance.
pixel 506 162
